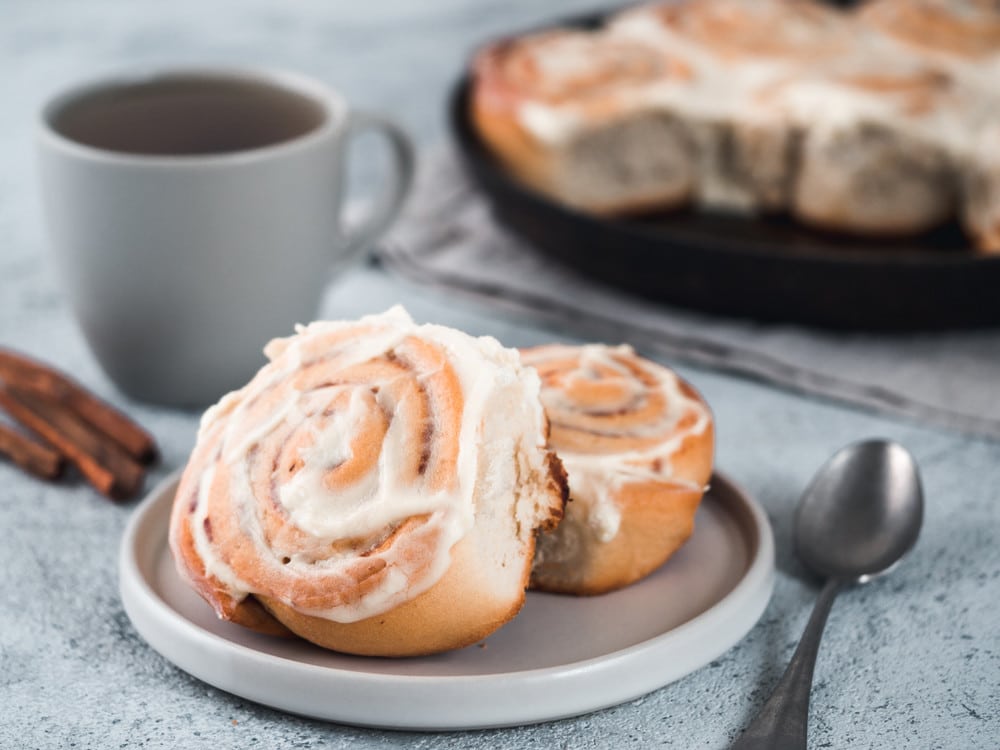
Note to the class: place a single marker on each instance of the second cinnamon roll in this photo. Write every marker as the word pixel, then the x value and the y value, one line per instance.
pixel 637 445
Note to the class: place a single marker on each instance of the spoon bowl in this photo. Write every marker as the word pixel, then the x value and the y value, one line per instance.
pixel 862 512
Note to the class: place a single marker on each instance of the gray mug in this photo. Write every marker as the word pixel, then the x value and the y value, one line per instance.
pixel 196 213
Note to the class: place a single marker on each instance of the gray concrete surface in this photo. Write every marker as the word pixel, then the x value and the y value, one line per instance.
pixel 910 661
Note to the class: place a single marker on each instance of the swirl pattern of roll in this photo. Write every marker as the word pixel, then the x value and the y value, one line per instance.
pixel 637 445
pixel 375 489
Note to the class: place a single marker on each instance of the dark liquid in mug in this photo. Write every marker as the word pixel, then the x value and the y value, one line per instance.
pixel 187 115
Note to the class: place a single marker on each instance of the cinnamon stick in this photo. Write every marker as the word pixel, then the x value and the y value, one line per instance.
pixel 101 461
pixel 35 458
pixel 27 375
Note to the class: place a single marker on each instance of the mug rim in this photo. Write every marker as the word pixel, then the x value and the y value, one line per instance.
pixel 331 102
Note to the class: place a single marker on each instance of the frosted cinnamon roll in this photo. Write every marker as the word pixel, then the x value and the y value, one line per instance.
pixel 737 48
pixel 961 37
pixel 375 489
pixel 636 442
pixel 569 112
pixel 740 32
pixel 876 145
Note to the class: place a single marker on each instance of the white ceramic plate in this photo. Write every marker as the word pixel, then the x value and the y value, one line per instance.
pixel 561 656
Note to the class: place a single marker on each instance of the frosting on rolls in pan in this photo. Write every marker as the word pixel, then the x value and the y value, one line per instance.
pixel 860 121
pixel 366 465
pixel 950 29
pixel 568 111
pixel 636 442
pixel 740 31
pixel 557 82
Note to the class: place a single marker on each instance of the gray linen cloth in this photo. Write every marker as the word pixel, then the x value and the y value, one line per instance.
pixel 448 239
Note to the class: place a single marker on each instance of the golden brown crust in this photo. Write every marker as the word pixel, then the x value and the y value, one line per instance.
pixel 988 239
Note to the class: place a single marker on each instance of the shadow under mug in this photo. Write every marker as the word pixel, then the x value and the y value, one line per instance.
pixel 196 213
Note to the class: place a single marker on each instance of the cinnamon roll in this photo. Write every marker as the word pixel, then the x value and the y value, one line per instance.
pixel 738 48
pixel 876 151
pixel 568 111
pixel 636 442
pixel 961 37
pixel 375 489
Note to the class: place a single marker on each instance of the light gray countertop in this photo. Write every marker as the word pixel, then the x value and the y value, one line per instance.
pixel 910 661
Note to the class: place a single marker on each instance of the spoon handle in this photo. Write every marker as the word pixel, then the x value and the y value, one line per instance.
pixel 783 722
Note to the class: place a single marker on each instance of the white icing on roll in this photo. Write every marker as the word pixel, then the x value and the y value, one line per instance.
pixel 711 89
pixel 595 477
pixel 778 89
pixel 331 423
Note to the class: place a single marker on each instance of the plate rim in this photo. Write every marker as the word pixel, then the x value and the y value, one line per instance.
pixel 171 634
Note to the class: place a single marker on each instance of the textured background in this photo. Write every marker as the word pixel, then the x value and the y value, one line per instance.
pixel 911 661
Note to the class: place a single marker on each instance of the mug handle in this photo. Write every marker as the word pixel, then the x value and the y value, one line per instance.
pixel 386 206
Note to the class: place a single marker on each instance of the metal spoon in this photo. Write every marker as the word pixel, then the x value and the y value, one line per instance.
pixel 859 516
